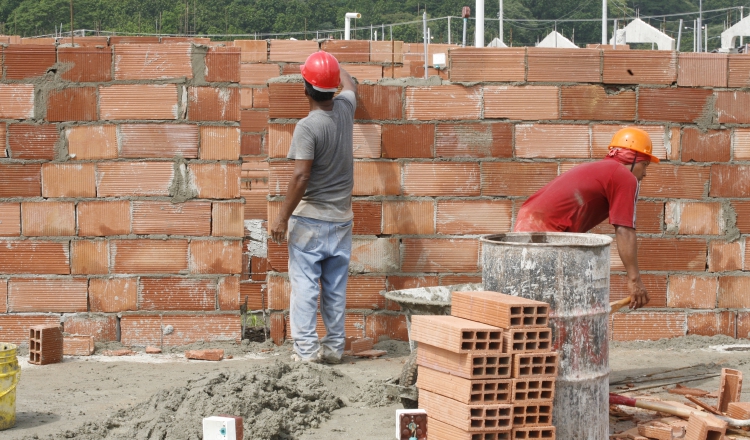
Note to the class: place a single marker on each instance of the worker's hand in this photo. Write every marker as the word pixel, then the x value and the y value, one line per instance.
pixel 638 294
pixel 279 230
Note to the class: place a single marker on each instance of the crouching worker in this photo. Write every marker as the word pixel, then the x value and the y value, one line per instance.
pixel 316 214
pixel 580 199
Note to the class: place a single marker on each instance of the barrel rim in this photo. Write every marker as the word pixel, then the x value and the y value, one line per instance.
pixel 604 240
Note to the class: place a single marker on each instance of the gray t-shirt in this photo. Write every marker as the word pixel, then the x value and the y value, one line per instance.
pixel 326 139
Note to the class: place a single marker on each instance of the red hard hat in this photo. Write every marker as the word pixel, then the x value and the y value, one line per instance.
pixel 322 71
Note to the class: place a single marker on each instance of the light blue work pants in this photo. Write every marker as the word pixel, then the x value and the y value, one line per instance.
pixel 319 252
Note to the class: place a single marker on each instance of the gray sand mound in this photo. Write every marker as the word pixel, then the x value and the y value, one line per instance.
pixel 276 402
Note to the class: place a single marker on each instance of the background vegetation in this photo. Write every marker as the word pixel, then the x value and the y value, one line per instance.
pixel 305 17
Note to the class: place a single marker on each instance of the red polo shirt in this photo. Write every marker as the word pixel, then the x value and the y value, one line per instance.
pixel 581 198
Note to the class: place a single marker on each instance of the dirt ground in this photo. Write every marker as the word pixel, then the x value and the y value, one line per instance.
pixel 82 396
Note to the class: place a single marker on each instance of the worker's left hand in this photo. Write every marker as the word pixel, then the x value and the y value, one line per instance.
pixel 638 294
pixel 278 230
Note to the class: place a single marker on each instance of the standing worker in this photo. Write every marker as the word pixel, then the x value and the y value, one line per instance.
pixel 580 199
pixel 317 210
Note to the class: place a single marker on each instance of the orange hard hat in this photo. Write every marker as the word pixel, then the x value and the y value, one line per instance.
pixel 635 139
pixel 322 71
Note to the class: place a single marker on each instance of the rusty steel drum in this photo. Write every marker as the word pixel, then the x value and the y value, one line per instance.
pixel 571 273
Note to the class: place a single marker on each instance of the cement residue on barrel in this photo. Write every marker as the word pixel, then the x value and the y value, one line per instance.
pixel 571 273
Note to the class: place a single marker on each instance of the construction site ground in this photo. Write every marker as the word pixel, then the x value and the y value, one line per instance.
pixel 81 397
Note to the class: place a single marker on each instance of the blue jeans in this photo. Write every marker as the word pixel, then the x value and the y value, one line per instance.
pixel 319 253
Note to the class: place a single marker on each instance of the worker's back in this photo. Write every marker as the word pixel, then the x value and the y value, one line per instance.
pixel 581 198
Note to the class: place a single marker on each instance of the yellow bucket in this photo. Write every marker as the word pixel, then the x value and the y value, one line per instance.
pixel 10 373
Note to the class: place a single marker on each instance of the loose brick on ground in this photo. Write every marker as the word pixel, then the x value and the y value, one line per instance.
pixel 45 345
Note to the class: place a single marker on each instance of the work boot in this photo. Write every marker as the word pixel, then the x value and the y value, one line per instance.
pixel 313 360
pixel 328 356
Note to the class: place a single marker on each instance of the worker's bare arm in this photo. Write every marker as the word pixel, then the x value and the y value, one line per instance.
pixel 294 193
pixel 347 83
pixel 627 247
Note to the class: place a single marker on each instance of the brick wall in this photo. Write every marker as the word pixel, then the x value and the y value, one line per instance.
pixel 129 167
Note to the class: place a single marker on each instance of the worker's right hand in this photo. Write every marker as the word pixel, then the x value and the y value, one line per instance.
pixel 638 294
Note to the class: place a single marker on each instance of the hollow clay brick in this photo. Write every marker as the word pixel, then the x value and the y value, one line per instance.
pixel 23 61
pixel 564 65
pixel 571 141
pixel 152 61
pixel 471 418
pixel 531 390
pixel 287 100
pixel 78 345
pixel 348 51
pixel 694 218
pixel 187 329
pixel 103 328
pixel 387 52
pixel 596 103
pixel 375 178
pixel 362 344
pixel 474 140
pixel 366 141
pixel 26 141
pixel 705 427
pixel 158 140
pixel 177 294
pixel 220 143
pixel 678 181
pixel 139 101
pixel 534 365
pixel 488 216
pixel 730 388
pixel 261 98
pixel 532 414
pixel 223 64
pixel 500 310
pixel 712 323
pixel 16 101
pixel 649 326
pixel 111 295
pixel 470 392
pixel 215 256
pixel 536 432
pixel 216 180
pixel 61 295
pixel 488 64
pixel 442 179
pixel 724 256
pixel 658 430
pixel 227 220
pixel 205 355
pixel 15 328
pixel 129 179
pixel 68 180
pixel 378 103
pixel 456 334
pixel 673 105
pixel 739 71
pixel 467 365
pixel 708 146
pixel 440 255
pixel 526 103
pixel 527 340
pixel 443 103
pixel 367 217
pixel 515 179
pixel 253 51
pixel 104 218
pixel 10 220
pixel 408 141
pixel 89 257
pixel 35 257
pixel 439 430
pixel 363 292
pixel 639 67
pixel 149 256
pixel 92 142
pixel 732 107
pixel 86 64
pixel 291 51
pixel 409 217
pixel 739 410
pixel 703 70
pixel 213 104
pixel 40 219
pixel 157 218
pixel 72 104
pixel 692 292
pixel 45 345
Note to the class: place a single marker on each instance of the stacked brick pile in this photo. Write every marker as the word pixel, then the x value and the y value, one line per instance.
pixel 488 370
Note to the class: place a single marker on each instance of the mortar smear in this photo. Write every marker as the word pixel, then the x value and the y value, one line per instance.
pixel 276 402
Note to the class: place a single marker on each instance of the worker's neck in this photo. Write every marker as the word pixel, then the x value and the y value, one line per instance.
pixel 323 105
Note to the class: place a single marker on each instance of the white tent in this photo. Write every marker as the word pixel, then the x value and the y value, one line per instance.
pixel 496 43
pixel 555 39
pixel 729 36
pixel 638 31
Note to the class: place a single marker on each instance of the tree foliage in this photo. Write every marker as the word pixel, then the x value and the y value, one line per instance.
pixel 303 18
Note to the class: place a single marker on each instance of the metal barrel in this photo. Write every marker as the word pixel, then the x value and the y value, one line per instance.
pixel 571 273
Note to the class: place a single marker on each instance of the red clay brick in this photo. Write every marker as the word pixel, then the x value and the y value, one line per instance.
pixel 147 329
pixel 739 71
pixel 743 325
pixel 597 103
pixel 515 179
pixel 252 145
pixel 733 107
pixel 287 100
pixel 40 219
pixel 689 292
pixel 280 172
pixel 279 139
pixel 279 292
pixel 363 292
pixel 367 139
pixel 216 181
pixel 18 180
pixel 72 104
pixel 227 220
pixel 378 103
pixel 733 292
pixel 408 217
pixel 10 220
pixel 440 255
pixel 673 105
pixel 139 101
pixel 152 61
pixel 552 141
pixel 375 255
pixel 253 51
pixel 395 282
pixel 415 141
pixel 89 257
pixel 112 295
pixel 229 293
pixel 215 257
pixel 32 141
pixel 223 64
pixel 394 327
pixel 149 256
pixel 742 209
pixel 3 296
pixel 261 98
pixel 694 218
pixel 35 257
pixel 564 65
pixel 158 140
pixel 441 179
pixel 449 280
pixel 277 327
pixel 639 67
pixel 667 254
pixel 47 295
pixel 376 178
pixel 367 217
pixel 724 256
pixel 92 142
pixel 85 64
pixel 78 345
pixel 711 146
pixel 16 101
pixel 484 216
pixel 134 179
pixel 68 180
pixel 259 271
pixel 711 324
pixel 176 294
pixel 115 40
pixel 648 326
pixel 656 285
pixel 730 180
pixel 443 103
pixel 741 144
pixel 386 52
pixel 103 218
pixel 246 98
pixel 213 104
pixel 521 102
pixel 101 328
pixel 703 70
pixel 455 334
pixel 348 51
pixel 675 181
pixel 15 328
pixel 291 51
pixel 45 345
pixel 156 218
pixel 22 61
pixel 488 64
pixel 254 121
pixel 220 143
pixel 474 140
